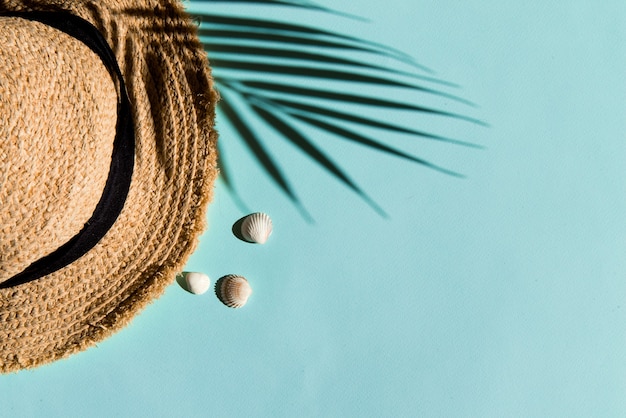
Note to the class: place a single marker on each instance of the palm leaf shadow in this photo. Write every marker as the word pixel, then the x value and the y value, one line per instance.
pixel 265 68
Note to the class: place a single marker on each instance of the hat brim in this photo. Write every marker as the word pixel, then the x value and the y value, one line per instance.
pixel 169 84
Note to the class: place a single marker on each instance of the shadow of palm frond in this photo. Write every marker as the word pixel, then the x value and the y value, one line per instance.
pixel 287 76
pixel 297 4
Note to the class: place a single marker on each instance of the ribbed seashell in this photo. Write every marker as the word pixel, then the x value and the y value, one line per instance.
pixel 196 283
pixel 256 227
pixel 233 290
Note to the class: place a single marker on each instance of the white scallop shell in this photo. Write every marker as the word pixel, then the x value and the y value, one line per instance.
pixel 196 283
pixel 233 290
pixel 256 227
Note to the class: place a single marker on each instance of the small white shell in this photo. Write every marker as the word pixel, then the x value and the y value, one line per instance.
pixel 196 283
pixel 233 290
pixel 256 227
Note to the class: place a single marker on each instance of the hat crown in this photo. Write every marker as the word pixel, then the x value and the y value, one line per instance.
pixel 58 112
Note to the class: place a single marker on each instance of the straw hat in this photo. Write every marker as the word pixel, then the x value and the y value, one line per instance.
pixel 107 163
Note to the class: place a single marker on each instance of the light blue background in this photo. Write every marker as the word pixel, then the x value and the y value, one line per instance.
pixel 501 294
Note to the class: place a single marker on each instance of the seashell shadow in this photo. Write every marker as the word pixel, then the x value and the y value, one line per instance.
pixel 218 288
pixel 180 279
pixel 237 230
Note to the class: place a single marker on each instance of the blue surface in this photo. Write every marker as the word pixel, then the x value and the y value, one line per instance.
pixel 500 294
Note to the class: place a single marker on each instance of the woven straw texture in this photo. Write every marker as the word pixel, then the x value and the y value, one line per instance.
pixel 55 160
